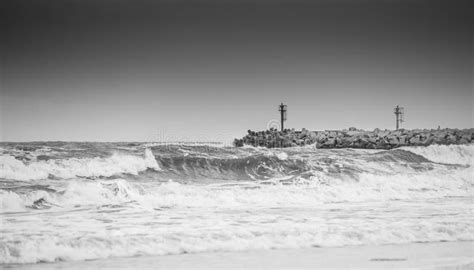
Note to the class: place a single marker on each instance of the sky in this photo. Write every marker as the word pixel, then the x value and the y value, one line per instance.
pixel 123 70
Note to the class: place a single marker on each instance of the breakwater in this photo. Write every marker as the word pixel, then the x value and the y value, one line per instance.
pixel 356 138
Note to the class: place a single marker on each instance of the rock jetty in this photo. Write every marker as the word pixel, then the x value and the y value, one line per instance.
pixel 356 138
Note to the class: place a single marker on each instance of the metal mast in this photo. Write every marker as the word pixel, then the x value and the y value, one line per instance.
pixel 282 109
pixel 398 111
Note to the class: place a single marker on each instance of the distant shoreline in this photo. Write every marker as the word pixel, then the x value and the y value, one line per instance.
pixel 355 138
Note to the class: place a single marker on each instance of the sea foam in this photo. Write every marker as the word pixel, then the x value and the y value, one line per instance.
pixel 11 168
pixel 313 198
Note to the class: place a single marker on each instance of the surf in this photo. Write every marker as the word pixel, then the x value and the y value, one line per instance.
pixel 12 168
pixel 134 199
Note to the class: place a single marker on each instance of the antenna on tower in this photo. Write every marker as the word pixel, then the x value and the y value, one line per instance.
pixel 399 115
pixel 282 109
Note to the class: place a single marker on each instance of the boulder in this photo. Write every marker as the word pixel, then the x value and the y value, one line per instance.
pixel 238 142
pixel 384 133
pixel 330 142
pixel 372 140
pixel 402 140
pixel 393 140
pixel 466 137
pixel 428 141
pixel 451 139
pixel 354 138
pixel 439 140
pixel 415 140
pixel 370 146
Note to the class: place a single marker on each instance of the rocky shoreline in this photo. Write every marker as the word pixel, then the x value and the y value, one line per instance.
pixel 355 138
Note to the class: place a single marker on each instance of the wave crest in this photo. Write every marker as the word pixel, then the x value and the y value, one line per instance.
pixel 11 168
pixel 449 154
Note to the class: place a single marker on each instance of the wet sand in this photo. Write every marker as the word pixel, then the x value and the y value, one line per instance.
pixel 444 255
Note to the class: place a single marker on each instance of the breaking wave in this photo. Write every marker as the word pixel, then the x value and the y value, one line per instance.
pixel 11 168
pixel 198 162
pixel 319 188
pixel 264 178
pixel 155 200
pixel 451 154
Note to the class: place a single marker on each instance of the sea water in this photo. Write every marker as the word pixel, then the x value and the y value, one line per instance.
pixel 70 201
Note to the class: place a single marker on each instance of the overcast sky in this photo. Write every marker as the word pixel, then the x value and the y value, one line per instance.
pixel 123 70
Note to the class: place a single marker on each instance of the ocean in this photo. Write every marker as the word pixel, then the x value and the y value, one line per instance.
pixel 78 201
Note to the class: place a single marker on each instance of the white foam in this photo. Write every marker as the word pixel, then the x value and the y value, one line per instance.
pixel 205 240
pixel 318 189
pixel 11 168
pixel 200 219
pixel 379 203
pixel 11 202
pixel 282 156
pixel 173 218
pixel 75 193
